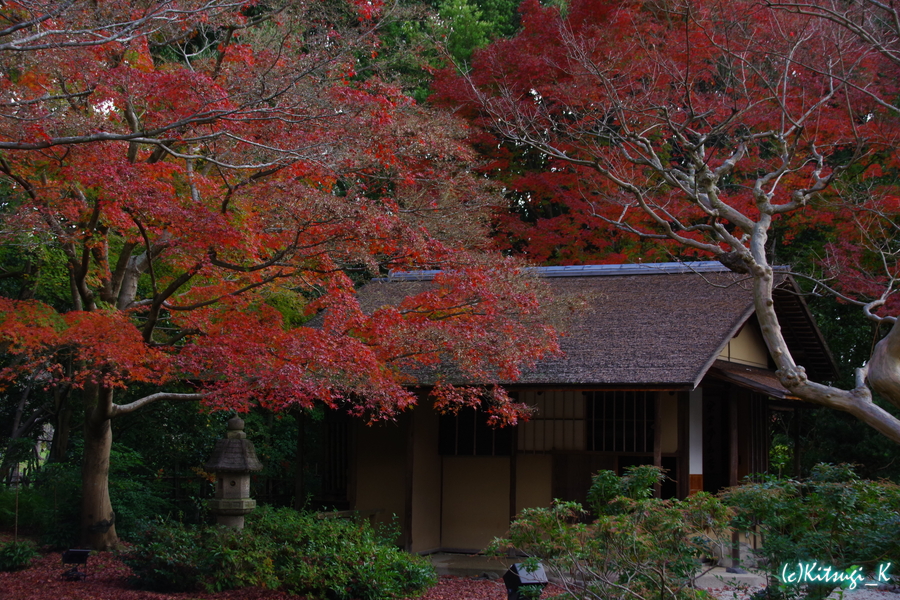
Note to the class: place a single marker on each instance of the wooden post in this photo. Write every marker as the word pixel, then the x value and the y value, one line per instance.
pixel 795 433
pixel 410 468
pixel 733 467
pixel 299 459
pixel 733 440
pixel 684 450
pixel 16 521
pixel 657 439
pixel 513 473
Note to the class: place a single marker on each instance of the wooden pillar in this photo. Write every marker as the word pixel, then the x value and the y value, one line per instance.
pixel 683 446
pixel 408 482
pixel 513 473
pixel 795 434
pixel 352 463
pixel 657 439
pixel 733 467
pixel 695 441
pixel 300 460
pixel 732 439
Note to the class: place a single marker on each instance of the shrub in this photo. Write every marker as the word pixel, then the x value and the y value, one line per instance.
pixel 166 557
pixel 16 555
pixel 49 509
pixel 279 549
pixel 832 517
pixel 27 509
pixel 639 547
pixel 58 484
pixel 134 491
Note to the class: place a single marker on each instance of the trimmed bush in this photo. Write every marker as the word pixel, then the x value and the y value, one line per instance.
pixel 279 549
pixel 166 557
pixel 16 555
pixel 638 546
pixel 832 517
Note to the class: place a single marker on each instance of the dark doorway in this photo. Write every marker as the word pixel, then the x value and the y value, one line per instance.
pixel 716 440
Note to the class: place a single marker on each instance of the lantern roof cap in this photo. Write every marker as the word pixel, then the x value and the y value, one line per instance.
pixel 234 454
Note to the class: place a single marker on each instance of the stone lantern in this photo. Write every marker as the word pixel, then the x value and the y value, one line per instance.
pixel 233 459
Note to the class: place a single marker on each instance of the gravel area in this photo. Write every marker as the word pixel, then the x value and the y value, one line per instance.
pixel 732 593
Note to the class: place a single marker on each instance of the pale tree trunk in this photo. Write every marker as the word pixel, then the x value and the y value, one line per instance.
pixel 884 366
pixel 883 371
pixel 98 529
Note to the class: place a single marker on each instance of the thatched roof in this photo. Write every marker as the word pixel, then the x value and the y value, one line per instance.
pixel 659 325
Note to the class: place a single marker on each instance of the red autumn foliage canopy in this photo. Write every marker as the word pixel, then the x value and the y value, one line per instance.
pixel 213 172
pixel 619 117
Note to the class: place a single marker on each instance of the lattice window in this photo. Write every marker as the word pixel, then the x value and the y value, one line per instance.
pixel 468 434
pixel 620 421
pixel 558 424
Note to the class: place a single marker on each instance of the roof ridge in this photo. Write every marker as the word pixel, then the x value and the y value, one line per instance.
pixel 704 266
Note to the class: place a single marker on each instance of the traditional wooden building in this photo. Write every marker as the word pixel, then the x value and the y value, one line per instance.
pixel 664 364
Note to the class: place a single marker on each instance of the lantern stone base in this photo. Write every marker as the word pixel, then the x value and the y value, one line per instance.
pixel 231 506
pixel 233 521
pixel 230 511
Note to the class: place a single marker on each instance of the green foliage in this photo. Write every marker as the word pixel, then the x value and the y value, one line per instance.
pixel 34 270
pixel 501 15
pixel 275 441
pixel 608 491
pixel 30 506
pixel 832 517
pixel 463 29
pixel 167 557
pixel 173 439
pixel 291 305
pixel 467 25
pixel 649 546
pixel 16 555
pixel 780 457
pixel 413 35
pixel 279 549
pixel 50 508
pixel 135 492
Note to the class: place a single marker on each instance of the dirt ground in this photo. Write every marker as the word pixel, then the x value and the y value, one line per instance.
pixel 107 579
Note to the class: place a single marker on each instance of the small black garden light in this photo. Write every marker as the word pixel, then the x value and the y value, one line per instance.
pixel 75 557
pixel 519 580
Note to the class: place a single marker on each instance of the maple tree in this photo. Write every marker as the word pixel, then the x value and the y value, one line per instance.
pixel 715 129
pixel 211 174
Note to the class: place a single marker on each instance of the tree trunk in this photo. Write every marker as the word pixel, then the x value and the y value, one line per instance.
pixel 299 461
pixel 884 367
pixel 858 401
pixel 98 529
pixel 62 426
pixel 14 434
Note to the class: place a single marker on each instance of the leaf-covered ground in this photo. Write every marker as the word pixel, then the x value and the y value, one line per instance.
pixel 108 579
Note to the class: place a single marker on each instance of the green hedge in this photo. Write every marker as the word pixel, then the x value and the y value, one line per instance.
pixel 632 546
pixel 279 549
pixel 832 517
